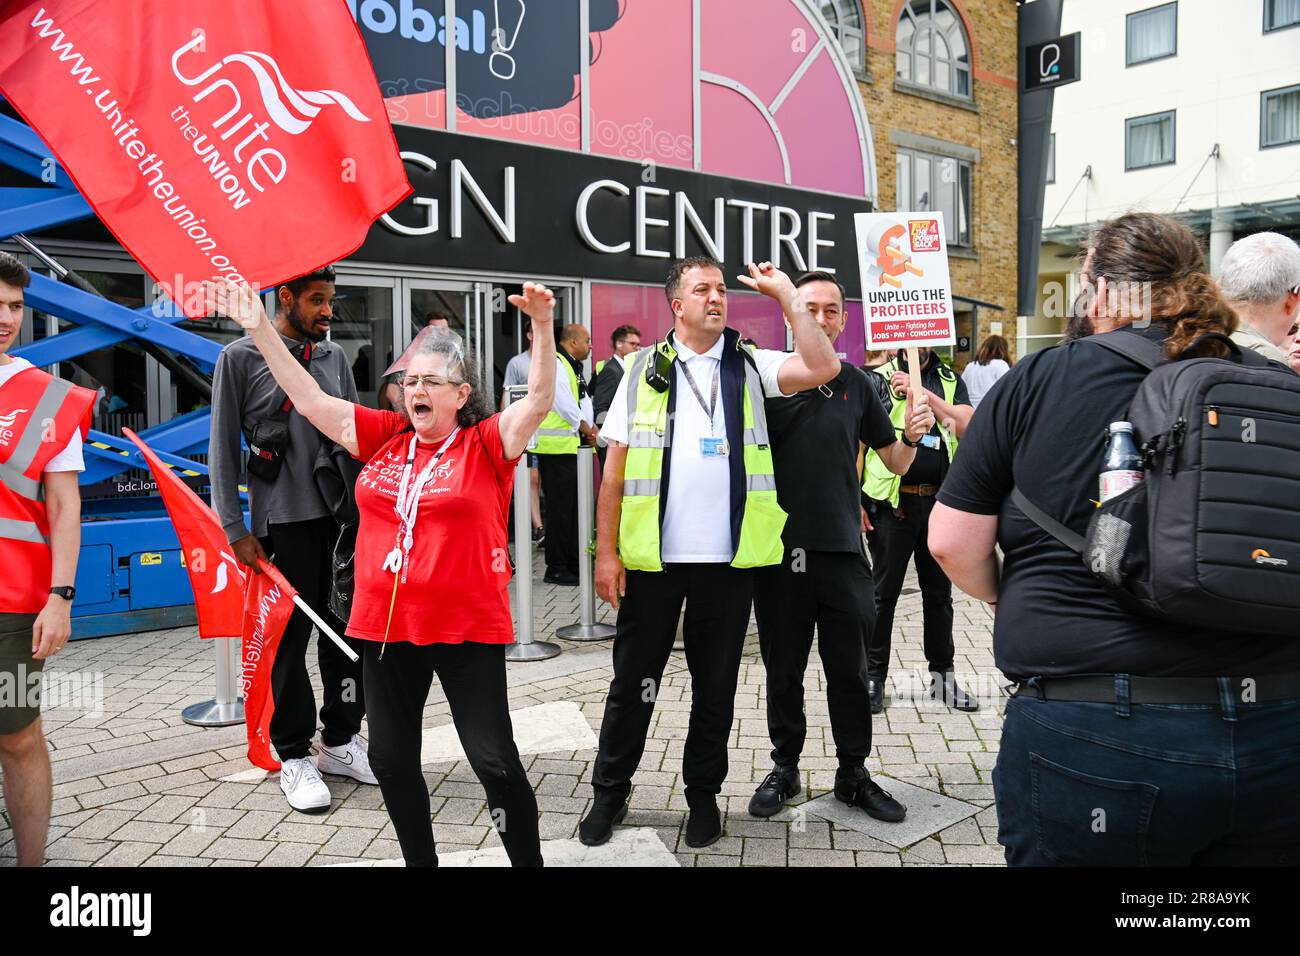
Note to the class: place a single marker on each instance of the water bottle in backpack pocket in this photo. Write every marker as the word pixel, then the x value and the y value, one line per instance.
pixel 1210 537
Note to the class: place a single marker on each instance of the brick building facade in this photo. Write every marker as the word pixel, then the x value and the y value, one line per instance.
pixel 950 113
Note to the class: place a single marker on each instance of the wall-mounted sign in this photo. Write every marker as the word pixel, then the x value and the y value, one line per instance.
pixel 1053 63
pixel 488 205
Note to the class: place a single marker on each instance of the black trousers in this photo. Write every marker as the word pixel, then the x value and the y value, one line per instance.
pixel 822 589
pixel 718 599
pixel 474 679
pixel 303 551
pixel 901 535
pixel 560 486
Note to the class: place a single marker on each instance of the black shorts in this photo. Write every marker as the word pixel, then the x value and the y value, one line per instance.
pixel 20 674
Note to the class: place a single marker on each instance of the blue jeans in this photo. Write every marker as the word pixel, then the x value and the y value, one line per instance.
pixel 1091 784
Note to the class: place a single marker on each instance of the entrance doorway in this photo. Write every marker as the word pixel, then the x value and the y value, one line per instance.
pixel 377 316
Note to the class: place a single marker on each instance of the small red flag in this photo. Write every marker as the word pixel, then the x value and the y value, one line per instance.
pixel 245 140
pixel 268 605
pixel 215 576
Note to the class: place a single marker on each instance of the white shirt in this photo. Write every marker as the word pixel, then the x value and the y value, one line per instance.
pixel 980 378
pixel 697 515
pixel 71 458
pixel 565 405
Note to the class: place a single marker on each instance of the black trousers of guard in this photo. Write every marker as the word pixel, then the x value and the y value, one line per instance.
pixel 900 535
pixel 718 599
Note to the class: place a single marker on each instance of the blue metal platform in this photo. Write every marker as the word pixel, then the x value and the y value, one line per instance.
pixel 130 575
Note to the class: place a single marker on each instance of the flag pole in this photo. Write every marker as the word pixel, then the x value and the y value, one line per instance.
pixel 325 628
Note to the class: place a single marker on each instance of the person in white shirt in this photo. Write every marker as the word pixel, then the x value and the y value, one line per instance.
pixel 992 361
pixel 558 462
pixel 517 374
pixel 704 500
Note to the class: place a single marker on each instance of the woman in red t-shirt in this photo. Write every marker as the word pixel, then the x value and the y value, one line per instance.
pixel 431 562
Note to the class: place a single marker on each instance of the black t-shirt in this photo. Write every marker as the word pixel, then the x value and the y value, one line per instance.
pixel 930 466
pixel 1042 427
pixel 815 452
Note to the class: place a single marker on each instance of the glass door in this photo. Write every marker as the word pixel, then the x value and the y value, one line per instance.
pixel 461 306
pixel 365 327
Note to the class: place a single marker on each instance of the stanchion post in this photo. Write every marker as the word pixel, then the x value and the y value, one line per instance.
pixel 586 629
pixel 227 708
pixel 525 648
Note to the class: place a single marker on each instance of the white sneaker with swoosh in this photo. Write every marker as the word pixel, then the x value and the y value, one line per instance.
pixel 350 760
pixel 303 787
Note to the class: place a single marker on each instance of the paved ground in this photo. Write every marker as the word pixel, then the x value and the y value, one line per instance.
pixel 135 786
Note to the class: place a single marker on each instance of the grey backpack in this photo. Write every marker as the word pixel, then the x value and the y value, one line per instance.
pixel 1211 537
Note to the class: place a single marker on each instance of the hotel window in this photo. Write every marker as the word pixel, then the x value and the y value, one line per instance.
pixel 1280 14
pixel 1279 117
pixel 1149 141
pixel 845 19
pixel 932 49
pixel 927 182
pixel 1152 34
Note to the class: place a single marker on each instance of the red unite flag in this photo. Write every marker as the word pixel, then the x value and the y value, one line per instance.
pixel 246 140
pixel 215 576
pixel 268 605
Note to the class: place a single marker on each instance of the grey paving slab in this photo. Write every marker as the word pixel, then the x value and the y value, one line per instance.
pixel 927 813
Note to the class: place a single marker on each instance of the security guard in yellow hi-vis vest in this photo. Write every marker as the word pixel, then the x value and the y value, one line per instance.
pixel 556 446
pixel 687 510
pixel 898 519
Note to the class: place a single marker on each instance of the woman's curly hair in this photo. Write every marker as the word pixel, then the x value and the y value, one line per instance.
pixel 1160 260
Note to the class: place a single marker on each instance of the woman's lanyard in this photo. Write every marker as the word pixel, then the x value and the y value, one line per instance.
pixel 408 505
pixel 408 509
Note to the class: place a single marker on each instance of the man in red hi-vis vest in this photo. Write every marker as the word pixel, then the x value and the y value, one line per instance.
pixel 42 422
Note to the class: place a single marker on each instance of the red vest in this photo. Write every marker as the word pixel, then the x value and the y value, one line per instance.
pixel 38 417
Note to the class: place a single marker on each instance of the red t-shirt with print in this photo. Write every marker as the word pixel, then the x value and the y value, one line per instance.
pixel 457 578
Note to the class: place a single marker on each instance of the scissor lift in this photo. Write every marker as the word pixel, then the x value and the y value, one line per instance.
pixel 130 576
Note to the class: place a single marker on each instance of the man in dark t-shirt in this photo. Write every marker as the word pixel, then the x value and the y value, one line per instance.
pixel 900 513
pixel 823 579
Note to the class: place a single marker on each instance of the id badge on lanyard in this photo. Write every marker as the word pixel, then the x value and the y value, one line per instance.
pixel 408 506
pixel 710 446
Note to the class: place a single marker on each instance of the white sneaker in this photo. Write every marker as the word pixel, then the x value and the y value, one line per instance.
pixel 350 760
pixel 303 787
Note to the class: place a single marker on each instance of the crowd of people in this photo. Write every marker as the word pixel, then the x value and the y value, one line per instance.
pixel 734 480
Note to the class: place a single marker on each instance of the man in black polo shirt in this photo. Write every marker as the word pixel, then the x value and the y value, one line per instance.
pixel 900 513
pixel 823 579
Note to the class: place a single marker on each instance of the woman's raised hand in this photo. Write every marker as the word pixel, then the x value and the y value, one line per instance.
pixel 238 300
pixel 538 302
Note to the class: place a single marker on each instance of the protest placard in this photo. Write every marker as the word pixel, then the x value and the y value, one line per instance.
pixel 906 291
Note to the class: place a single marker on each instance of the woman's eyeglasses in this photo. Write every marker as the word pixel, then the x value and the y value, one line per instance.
pixel 428 381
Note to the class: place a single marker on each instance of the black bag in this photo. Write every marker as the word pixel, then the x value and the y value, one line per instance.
pixel 1211 537
pixel 336 476
pixel 267 442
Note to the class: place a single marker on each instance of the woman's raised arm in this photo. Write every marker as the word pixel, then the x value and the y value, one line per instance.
pixel 518 422
pixel 335 418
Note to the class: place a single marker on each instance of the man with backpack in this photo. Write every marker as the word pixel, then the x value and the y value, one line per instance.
pixel 1152 721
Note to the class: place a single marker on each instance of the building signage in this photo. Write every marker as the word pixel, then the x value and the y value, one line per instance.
pixel 494 206
pixel 1052 63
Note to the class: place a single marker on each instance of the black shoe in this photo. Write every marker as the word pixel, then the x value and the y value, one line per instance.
pixel 598 825
pixel 859 790
pixel 539 535
pixel 944 686
pixel 876 694
pixel 704 825
pixel 566 578
pixel 778 787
